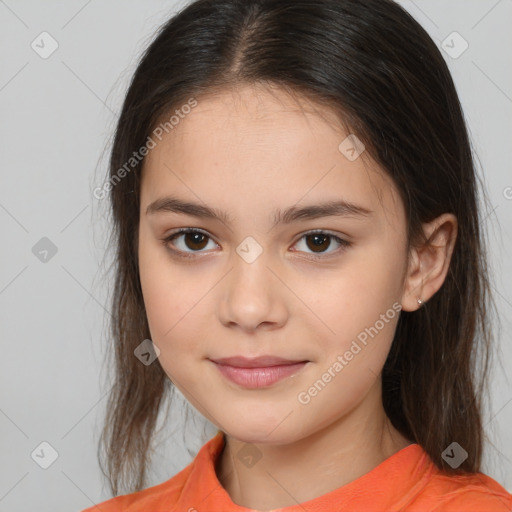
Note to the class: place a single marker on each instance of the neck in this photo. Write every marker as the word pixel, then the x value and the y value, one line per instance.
pixel 315 465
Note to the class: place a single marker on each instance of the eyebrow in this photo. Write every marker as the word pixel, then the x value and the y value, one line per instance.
pixel 339 208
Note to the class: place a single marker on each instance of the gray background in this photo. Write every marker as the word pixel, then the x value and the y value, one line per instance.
pixel 57 115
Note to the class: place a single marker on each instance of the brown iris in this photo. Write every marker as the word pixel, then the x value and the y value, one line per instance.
pixel 197 240
pixel 318 242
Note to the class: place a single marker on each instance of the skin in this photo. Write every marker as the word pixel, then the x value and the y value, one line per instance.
pixel 249 151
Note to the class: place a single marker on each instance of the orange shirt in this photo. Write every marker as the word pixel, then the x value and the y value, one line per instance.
pixel 408 481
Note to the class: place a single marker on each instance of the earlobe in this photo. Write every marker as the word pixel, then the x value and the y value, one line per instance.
pixel 429 263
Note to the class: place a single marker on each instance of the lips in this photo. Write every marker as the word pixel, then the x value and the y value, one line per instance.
pixel 258 372
pixel 256 362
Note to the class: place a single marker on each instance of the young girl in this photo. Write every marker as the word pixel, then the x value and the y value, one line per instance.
pixel 299 251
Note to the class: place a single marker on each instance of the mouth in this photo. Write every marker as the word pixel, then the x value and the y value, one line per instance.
pixel 258 372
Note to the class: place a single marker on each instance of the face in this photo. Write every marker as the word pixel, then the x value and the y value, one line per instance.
pixel 254 281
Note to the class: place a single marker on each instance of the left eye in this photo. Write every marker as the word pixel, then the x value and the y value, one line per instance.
pixel 317 241
pixel 195 240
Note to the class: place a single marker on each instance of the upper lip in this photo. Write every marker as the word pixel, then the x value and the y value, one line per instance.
pixel 255 362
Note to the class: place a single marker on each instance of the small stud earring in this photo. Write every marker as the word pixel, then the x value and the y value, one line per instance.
pixel 420 302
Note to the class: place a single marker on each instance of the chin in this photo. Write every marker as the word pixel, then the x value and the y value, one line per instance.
pixel 259 432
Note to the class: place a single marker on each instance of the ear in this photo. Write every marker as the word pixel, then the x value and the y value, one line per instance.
pixel 429 263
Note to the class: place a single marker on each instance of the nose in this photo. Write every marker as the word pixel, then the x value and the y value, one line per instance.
pixel 253 294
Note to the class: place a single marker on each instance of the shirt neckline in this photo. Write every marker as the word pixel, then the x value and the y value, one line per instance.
pixel 408 469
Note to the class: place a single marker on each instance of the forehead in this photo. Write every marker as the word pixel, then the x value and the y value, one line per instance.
pixel 261 147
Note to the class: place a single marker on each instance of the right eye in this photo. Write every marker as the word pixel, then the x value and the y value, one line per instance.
pixel 193 239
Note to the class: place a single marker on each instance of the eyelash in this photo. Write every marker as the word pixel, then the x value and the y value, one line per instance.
pixel 344 244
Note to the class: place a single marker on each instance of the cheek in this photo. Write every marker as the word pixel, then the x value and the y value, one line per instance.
pixel 167 298
pixel 171 314
pixel 360 304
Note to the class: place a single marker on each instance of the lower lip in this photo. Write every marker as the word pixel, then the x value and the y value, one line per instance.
pixel 259 377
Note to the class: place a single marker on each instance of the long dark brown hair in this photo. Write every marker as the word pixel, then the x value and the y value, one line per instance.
pixel 370 62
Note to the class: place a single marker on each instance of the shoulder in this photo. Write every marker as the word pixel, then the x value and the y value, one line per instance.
pixel 466 493
pixel 157 498
pixel 165 496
